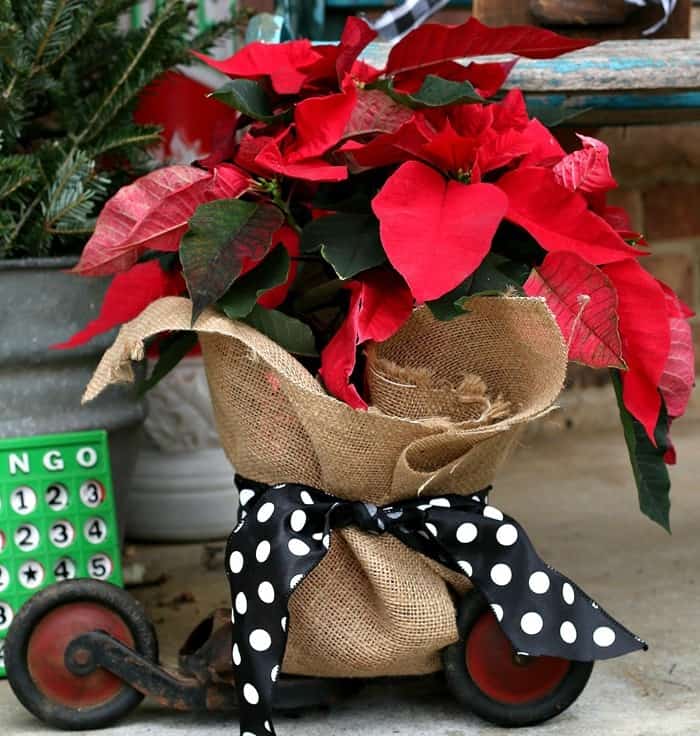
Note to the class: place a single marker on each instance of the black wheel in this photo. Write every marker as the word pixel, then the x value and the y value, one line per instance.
pixel 489 678
pixel 36 644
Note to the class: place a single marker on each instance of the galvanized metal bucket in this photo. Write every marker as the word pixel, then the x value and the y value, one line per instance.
pixel 40 389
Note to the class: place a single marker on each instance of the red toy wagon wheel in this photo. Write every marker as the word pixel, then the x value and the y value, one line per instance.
pixel 488 677
pixel 40 635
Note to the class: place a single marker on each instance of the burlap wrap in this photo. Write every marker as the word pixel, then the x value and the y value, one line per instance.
pixel 372 607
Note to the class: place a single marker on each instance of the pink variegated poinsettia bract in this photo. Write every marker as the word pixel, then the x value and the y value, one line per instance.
pixel 343 195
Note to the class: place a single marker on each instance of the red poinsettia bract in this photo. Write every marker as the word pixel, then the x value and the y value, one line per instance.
pixel 436 182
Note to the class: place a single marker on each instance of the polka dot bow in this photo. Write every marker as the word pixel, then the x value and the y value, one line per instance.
pixel 285 530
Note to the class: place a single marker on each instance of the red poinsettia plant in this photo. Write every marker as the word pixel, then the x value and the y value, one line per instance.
pixel 342 195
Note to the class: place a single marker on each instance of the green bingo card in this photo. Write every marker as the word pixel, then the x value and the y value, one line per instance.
pixel 57 517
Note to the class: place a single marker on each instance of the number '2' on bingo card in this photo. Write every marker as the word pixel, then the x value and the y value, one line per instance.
pixel 57 517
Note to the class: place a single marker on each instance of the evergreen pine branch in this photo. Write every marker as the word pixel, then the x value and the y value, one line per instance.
pixel 130 80
pixel 111 9
pixel 71 21
pixel 204 40
pixel 140 69
pixel 72 193
pixel 126 136
pixel 25 11
pixel 10 34
pixel 71 75
pixel 16 172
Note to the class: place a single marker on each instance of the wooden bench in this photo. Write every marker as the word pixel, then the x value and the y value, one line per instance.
pixel 613 83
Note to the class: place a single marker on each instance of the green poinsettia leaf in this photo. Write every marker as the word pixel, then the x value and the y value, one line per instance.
pixel 318 297
pixel 248 97
pixel 449 306
pixel 495 276
pixel 240 299
pixel 292 334
pixel 349 242
pixel 172 350
pixel 439 92
pixel 221 236
pixel 650 471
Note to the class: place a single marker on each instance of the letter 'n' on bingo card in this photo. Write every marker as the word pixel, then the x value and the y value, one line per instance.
pixel 57 517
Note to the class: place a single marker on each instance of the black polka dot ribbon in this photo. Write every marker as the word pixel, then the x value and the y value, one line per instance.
pixel 285 530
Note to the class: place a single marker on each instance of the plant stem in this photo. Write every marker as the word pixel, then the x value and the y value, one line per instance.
pixel 273 189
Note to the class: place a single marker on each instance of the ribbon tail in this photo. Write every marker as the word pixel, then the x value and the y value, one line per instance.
pixel 541 611
pixel 266 560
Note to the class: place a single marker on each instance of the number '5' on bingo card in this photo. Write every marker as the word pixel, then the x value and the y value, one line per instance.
pixel 57 517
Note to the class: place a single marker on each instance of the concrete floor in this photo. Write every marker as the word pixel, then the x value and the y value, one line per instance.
pixel 575 495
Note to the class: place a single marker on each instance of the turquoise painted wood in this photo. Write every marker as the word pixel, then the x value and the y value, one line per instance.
pixel 613 83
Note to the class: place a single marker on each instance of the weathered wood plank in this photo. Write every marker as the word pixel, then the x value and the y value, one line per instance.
pixel 615 66
pixel 613 83
pixel 611 66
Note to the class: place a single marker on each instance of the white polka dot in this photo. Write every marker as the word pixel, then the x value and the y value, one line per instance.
pixel 265 512
pixel 466 567
pixel 326 541
pixel 262 552
pixel 241 603
pixel 431 528
pixel 248 733
pixel 245 495
pixel 250 694
pixel 531 623
pixel 283 623
pixel 236 562
pixel 233 616
pixel 539 582
pixel 507 535
pixel 236 655
pixel 466 532
pixel 280 485
pixel 266 592
pixel 306 498
pixel 594 604
pixel 295 581
pixel 423 506
pixel 491 512
pixel 268 727
pixel 318 536
pixel 501 574
pixel 498 611
pixel 260 640
pixel 275 673
pixel 440 502
pixel 298 547
pixel 567 631
pixel 567 593
pixel 298 520
pixel 604 636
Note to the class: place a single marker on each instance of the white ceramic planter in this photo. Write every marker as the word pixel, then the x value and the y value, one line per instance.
pixel 182 487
